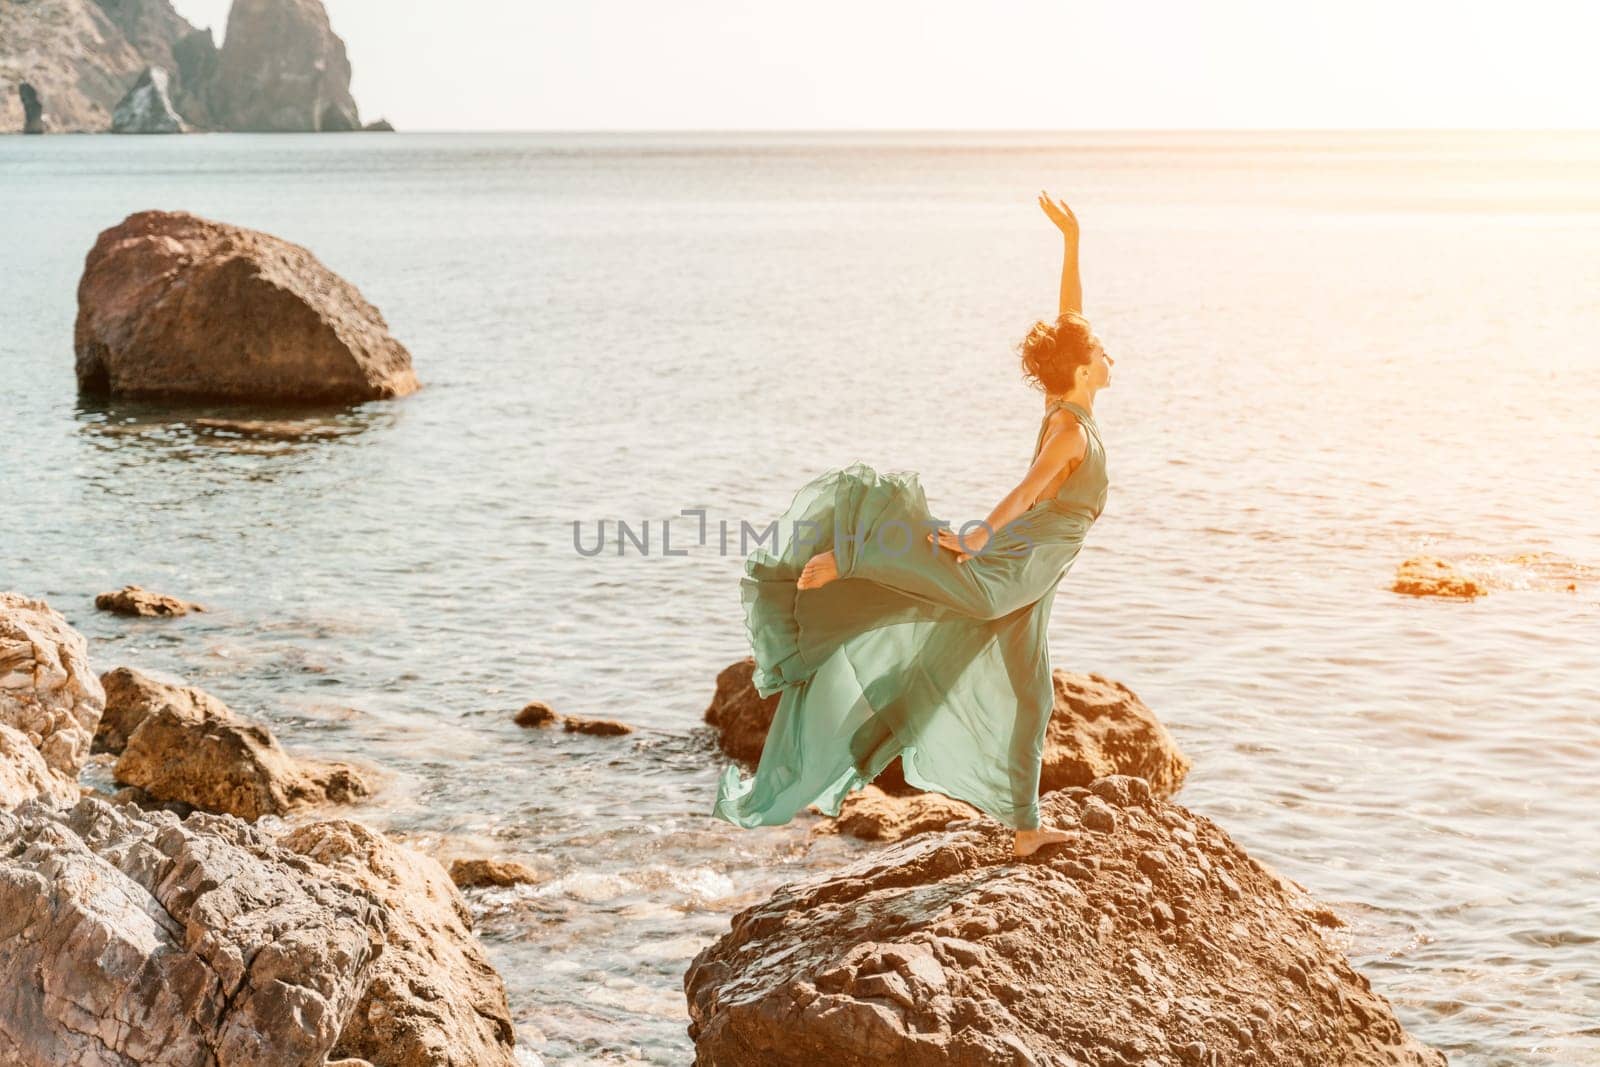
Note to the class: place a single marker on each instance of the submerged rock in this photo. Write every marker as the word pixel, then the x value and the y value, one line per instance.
pixel 138 601
pixel 1150 937
pixel 180 744
pixel 50 701
pixel 134 938
pixel 282 69
pixel 1097 727
pixel 478 872
pixel 174 305
pixel 537 714
pixel 147 108
pixel 433 999
pixel 1432 576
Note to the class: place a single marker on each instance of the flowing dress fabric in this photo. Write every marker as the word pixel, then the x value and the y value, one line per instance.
pixel 908 653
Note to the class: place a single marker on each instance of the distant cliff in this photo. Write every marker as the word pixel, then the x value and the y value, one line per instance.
pixel 66 65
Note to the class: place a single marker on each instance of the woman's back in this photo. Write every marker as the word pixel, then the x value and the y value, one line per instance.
pixel 1082 489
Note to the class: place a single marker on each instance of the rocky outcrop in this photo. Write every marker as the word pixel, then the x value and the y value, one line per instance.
pixel 1097 727
pixel 50 701
pixel 180 744
pixel 380 126
pixel 134 938
pixel 79 57
pixel 283 69
pixel 24 775
pixel 281 66
pixel 1432 576
pixel 1149 937
pixel 174 305
pixel 147 107
pixel 871 814
pixel 196 57
pixel 538 715
pixel 140 602
pixel 433 999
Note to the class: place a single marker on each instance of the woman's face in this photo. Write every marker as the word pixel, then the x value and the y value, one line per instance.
pixel 1099 372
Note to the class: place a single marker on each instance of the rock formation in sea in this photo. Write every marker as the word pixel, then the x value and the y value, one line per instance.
pixel 172 305
pixel 1097 727
pixel 478 872
pixel 283 69
pixel 147 107
pixel 137 937
pixel 539 715
pixel 183 745
pixel 139 602
pixel 1150 937
pixel 80 57
pixel 1432 576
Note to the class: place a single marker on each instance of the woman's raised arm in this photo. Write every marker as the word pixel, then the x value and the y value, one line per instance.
pixel 1067 223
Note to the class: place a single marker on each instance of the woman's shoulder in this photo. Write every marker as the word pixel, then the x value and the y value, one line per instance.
pixel 1063 421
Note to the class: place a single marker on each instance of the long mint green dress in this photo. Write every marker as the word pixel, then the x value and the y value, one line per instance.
pixel 908 653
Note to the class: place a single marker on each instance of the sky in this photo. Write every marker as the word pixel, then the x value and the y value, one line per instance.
pixel 936 64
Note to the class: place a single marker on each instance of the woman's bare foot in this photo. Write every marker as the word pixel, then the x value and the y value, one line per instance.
pixel 818 571
pixel 1030 841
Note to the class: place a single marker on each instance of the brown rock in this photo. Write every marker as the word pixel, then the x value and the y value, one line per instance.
pixel 538 715
pixel 1432 576
pixel 134 938
pixel 873 815
pixel 474 873
pixel 49 699
pixel 433 1000
pixel 577 724
pixel 282 70
pixel 138 601
pixel 1124 947
pixel 173 305
pixel 1098 727
pixel 180 744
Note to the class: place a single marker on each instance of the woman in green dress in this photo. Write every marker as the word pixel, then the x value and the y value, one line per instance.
pixel 889 634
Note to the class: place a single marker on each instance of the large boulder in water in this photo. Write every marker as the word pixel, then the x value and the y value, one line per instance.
pixel 282 69
pixel 50 702
pixel 174 305
pixel 1149 937
pixel 147 108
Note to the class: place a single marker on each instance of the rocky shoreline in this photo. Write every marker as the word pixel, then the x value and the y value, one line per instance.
pixel 171 923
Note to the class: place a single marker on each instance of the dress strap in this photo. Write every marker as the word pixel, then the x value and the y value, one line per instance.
pixel 1077 409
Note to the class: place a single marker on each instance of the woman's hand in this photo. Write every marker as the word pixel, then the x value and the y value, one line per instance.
pixel 973 544
pixel 1060 214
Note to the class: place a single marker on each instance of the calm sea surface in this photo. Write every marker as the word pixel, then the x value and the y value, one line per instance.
pixel 1333 351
